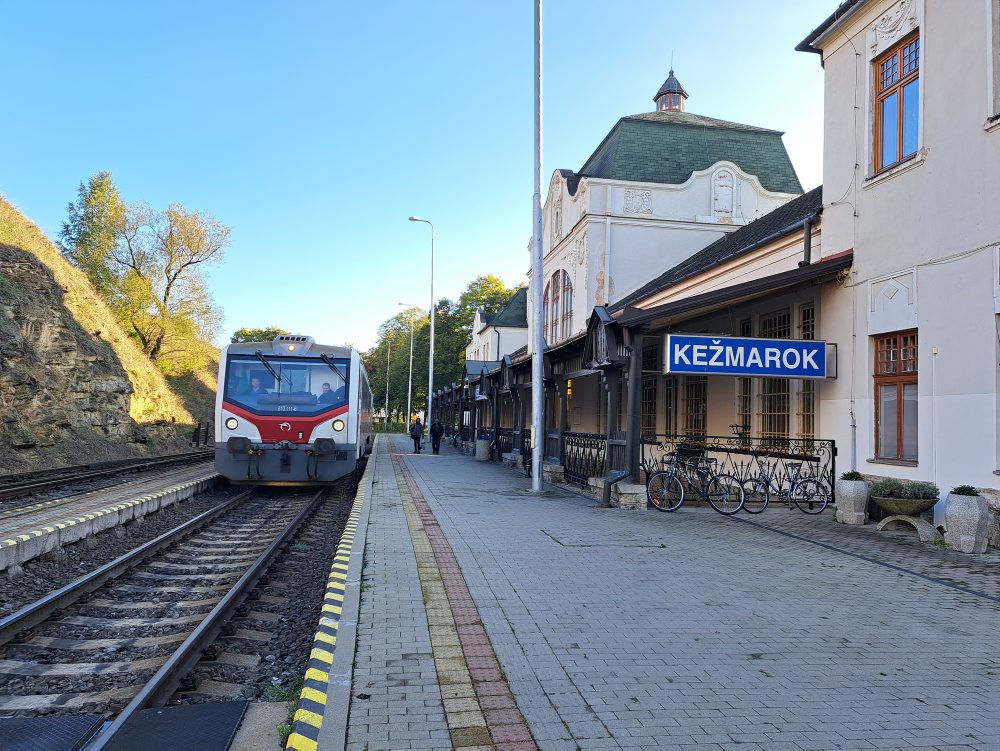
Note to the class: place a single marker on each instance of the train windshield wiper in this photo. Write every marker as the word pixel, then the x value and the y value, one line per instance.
pixel 329 363
pixel 260 356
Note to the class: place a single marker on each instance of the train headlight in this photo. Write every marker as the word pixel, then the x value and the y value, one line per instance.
pixel 232 423
pixel 338 425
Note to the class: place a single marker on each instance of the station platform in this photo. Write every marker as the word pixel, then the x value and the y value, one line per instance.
pixel 482 616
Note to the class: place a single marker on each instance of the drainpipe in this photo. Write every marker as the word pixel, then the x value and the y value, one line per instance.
pixel 807 226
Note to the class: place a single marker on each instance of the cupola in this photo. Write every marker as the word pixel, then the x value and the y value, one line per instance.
pixel 671 96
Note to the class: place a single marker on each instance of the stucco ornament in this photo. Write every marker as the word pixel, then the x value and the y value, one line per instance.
pixel 892 26
pixel 557 221
pixel 638 201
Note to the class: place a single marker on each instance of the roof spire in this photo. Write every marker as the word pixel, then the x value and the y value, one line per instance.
pixel 671 96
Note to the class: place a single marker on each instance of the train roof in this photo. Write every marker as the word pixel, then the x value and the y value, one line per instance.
pixel 291 345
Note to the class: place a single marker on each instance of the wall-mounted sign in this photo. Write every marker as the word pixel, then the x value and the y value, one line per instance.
pixel 773 358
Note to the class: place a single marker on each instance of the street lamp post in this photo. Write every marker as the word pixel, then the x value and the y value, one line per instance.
pixel 409 384
pixel 430 368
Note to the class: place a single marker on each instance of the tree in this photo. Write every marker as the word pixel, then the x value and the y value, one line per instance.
pixel 159 257
pixel 147 265
pixel 257 335
pixel 93 228
pixel 452 329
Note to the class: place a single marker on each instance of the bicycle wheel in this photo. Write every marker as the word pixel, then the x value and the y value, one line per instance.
pixel 811 496
pixel 724 494
pixel 664 491
pixel 756 496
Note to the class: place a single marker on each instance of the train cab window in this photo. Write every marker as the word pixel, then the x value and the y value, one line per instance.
pixel 274 385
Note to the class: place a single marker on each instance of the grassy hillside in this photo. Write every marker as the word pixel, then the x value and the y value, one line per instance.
pixel 86 325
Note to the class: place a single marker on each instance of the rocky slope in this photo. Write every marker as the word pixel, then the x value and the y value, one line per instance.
pixel 73 387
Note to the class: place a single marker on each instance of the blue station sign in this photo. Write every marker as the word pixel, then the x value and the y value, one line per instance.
pixel 772 358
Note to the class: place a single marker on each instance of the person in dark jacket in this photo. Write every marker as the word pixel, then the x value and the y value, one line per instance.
pixel 437 430
pixel 416 433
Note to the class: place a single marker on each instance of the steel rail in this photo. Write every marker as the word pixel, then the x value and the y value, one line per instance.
pixel 21 488
pixel 162 685
pixel 38 611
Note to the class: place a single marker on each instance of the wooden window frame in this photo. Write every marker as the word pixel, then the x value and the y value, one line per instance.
pixel 567 304
pixel 900 376
pixel 896 87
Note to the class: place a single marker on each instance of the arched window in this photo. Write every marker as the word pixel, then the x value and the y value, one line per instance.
pixel 557 307
pixel 545 312
pixel 567 321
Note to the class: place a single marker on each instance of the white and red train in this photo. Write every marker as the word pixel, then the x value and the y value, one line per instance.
pixel 291 412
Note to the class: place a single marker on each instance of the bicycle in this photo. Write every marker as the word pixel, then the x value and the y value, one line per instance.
pixel 689 469
pixel 808 494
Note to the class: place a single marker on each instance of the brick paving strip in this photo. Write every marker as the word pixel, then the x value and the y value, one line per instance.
pixel 478 703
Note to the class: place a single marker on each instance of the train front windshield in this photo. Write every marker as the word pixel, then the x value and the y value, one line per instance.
pixel 275 385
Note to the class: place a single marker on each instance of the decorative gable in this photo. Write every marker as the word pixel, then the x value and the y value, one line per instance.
pixel 603 347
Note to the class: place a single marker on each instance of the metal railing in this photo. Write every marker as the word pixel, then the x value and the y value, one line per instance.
pixel 743 456
pixel 586 456
pixel 617 452
pixel 505 441
pixel 526 451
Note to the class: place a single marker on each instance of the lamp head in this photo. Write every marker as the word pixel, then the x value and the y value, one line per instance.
pixel 415 219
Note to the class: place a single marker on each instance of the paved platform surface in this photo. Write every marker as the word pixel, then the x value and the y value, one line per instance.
pixel 618 629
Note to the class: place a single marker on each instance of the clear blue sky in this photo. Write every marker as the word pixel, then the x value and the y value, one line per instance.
pixel 314 129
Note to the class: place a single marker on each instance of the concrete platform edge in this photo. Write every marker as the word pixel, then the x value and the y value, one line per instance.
pixel 327 727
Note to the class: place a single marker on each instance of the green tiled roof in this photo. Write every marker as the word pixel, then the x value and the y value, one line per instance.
pixel 667 147
pixel 514 312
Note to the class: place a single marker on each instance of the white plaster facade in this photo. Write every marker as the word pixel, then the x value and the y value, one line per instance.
pixel 490 342
pixel 612 237
pixel 925 235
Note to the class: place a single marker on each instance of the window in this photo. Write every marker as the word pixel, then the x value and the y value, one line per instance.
pixel 807 388
pixel 744 405
pixel 670 405
pixel 695 405
pixel 895 375
pixel 650 376
pixel 557 307
pixel 897 99
pixel 773 397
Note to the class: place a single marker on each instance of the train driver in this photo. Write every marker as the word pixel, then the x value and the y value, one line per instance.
pixel 256 388
pixel 328 396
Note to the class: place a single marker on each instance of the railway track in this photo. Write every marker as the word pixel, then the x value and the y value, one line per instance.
pixel 121 639
pixel 16 485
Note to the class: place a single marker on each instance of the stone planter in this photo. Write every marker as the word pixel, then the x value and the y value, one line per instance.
pixel 905 506
pixel 966 522
pixel 852 501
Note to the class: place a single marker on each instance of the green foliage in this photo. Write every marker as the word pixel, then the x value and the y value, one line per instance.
pixel 893 488
pixel 147 266
pixel 887 488
pixel 964 490
pixel 257 335
pixel 89 235
pixel 452 329
pixel 853 475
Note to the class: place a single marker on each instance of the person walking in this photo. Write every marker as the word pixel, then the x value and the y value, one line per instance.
pixel 437 430
pixel 416 433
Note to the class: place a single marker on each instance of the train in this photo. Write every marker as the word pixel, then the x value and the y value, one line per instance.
pixel 291 412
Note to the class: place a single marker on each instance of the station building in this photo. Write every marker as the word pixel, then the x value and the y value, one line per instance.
pixel 891 269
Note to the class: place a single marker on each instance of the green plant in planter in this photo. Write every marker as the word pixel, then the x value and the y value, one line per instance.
pixel 852 475
pixel 964 490
pixel 906 498
pixel 887 488
pixel 921 490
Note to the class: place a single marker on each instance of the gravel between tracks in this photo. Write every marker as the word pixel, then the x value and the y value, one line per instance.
pixel 49 572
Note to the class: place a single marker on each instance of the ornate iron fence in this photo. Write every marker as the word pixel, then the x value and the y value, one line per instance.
pixel 505 441
pixel 744 457
pixel 586 455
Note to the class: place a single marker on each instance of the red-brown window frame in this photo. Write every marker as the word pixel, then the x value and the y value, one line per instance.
pixel 882 94
pixel 899 378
